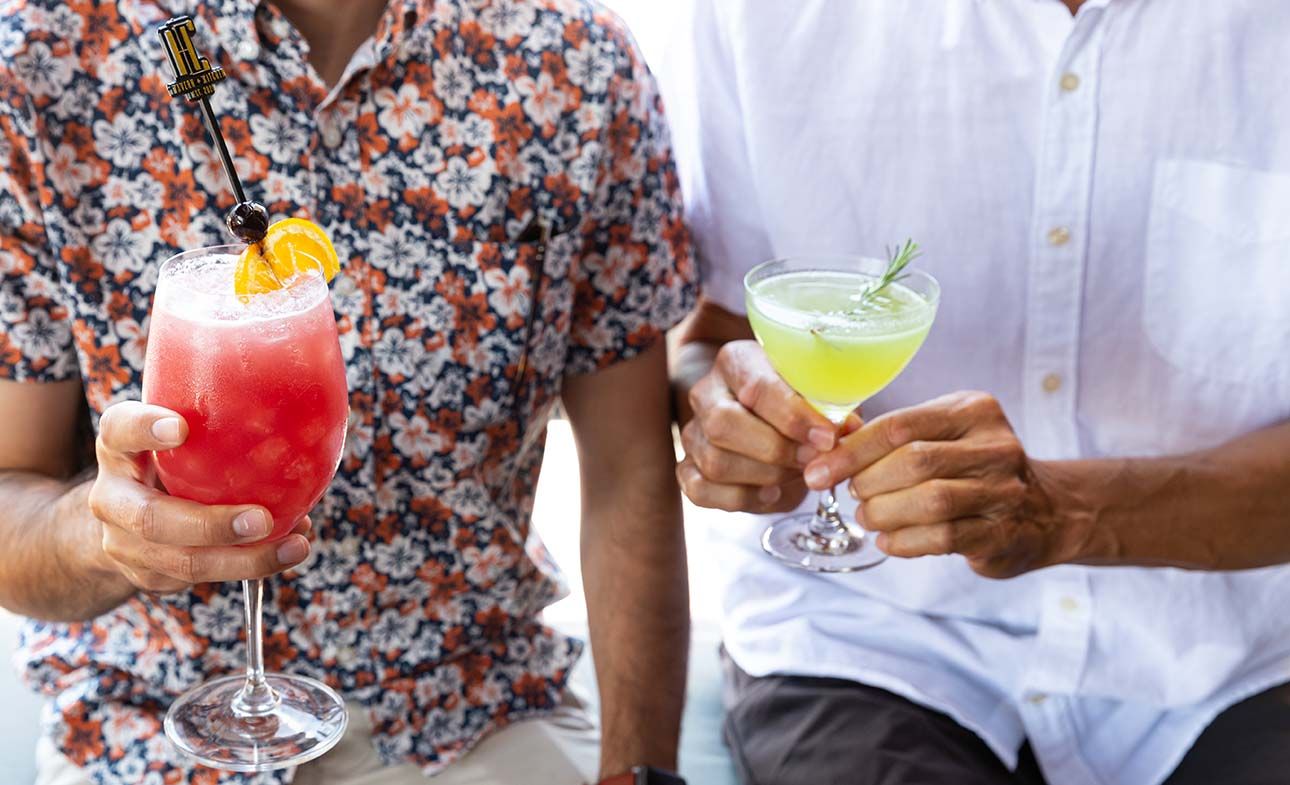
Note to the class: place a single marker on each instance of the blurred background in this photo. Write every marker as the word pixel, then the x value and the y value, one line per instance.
pixel 704 760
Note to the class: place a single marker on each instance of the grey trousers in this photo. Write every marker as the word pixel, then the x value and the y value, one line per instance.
pixel 795 730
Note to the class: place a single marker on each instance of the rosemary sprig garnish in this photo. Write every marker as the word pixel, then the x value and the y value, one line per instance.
pixel 897 260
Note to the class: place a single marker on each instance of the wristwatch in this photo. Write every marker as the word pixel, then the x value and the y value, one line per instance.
pixel 645 775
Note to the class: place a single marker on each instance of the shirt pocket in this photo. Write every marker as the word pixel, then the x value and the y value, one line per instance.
pixel 477 299
pixel 1217 286
pixel 479 322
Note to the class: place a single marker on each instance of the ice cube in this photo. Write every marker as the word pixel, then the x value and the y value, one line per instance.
pixel 269 495
pixel 313 432
pixel 269 454
pixel 258 421
pixel 300 468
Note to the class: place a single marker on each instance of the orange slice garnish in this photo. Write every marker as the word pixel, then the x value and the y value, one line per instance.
pixel 292 247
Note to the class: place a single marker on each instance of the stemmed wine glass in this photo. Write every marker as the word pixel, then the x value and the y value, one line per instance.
pixel 261 383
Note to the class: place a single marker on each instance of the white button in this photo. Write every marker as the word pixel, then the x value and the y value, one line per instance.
pixel 1059 236
pixel 1069 604
pixel 1052 383
pixel 1036 698
pixel 1069 82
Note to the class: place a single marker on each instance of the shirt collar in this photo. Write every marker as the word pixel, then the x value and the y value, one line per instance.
pixel 235 26
pixel 401 18
pixel 235 37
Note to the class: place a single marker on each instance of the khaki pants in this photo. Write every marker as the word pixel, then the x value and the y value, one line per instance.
pixel 560 749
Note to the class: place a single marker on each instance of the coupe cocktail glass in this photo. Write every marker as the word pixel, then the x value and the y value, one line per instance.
pixel 836 348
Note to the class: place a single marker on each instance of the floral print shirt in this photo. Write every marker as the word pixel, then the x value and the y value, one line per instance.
pixel 463 128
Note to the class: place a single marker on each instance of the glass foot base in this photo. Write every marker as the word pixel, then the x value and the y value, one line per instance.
pixel 791 541
pixel 308 720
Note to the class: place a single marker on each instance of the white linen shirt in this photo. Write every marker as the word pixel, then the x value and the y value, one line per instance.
pixel 1105 199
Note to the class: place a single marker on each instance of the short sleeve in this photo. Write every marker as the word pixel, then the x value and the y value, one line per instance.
pixel 35 326
pixel 636 276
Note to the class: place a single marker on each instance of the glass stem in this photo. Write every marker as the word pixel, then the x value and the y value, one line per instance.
pixel 827 523
pixel 257 698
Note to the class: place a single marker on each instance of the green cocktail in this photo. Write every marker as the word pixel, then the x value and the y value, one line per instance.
pixel 831 348
pixel 837 336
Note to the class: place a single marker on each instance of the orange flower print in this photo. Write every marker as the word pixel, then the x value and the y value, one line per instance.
pixel 82 740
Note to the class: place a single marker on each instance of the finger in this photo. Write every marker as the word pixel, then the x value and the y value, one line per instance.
pixel 151 582
pixel 725 466
pixel 756 385
pixel 303 527
pixel 166 520
pixel 727 424
pixel 131 427
pixel 720 496
pixel 927 503
pixel 851 424
pixel 791 495
pixel 921 461
pixel 940 419
pixel 934 540
pixel 938 539
pixel 218 564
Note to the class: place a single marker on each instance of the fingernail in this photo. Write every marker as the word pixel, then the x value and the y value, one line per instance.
pixel 770 494
pixel 295 549
pixel 817 476
pixel 882 542
pixel 806 454
pixel 822 438
pixel 166 430
pixel 851 489
pixel 252 523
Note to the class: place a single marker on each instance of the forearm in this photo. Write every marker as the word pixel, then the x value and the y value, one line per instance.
pixel 634 569
pixel 1222 509
pixel 52 566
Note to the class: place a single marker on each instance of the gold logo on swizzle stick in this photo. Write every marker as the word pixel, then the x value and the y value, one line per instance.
pixel 195 79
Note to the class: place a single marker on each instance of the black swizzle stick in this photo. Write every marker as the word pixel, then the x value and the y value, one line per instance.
pixel 195 79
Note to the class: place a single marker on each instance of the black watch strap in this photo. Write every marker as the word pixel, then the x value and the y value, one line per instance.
pixel 647 775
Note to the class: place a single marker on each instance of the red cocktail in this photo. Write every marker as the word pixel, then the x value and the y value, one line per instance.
pixel 261 385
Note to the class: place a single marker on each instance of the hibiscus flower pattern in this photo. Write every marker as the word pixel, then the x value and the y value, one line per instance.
pixel 470 123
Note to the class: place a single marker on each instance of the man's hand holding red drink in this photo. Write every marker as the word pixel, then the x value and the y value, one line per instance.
pixel 164 544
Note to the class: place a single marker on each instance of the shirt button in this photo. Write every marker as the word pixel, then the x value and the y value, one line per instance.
pixel 1052 382
pixel 1059 236
pixel 1069 82
pixel 1069 604
pixel 1036 698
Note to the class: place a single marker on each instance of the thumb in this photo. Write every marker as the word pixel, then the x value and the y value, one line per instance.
pixel 853 423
